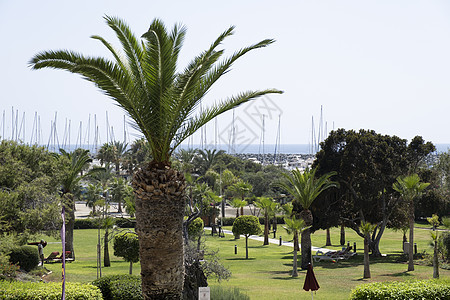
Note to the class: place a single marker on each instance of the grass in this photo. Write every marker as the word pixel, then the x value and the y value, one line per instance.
pixel 266 274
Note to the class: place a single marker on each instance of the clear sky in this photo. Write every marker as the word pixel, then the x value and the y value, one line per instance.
pixel 381 65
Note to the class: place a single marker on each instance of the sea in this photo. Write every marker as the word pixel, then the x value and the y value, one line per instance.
pixel 244 148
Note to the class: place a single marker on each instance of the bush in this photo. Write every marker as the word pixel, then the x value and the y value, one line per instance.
pixel 220 293
pixel 424 289
pixel 86 223
pixel 27 257
pixel 115 287
pixel 18 290
pixel 195 229
pixel 446 244
pixel 126 222
pixel 230 221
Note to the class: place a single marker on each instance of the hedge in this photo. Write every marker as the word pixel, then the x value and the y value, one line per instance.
pixel 120 287
pixel 91 223
pixel 18 290
pixel 423 289
pixel 230 221
pixel 27 257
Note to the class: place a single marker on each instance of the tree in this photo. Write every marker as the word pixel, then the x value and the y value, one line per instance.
pixel 106 153
pixel 294 226
pixel 162 105
pixel 208 159
pixel 108 223
pixel 305 188
pixel 410 188
pixel 126 245
pixel 77 162
pixel 367 164
pixel 93 196
pixel 269 207
pixel 434 221
pixel 366 228
pixel 241 189
pixel 238 204
pixel 119 190
pixel 246 225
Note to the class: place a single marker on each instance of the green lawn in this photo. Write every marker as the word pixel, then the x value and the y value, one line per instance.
pixel 266 274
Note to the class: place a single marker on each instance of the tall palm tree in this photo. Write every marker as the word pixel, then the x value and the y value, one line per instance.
pixel 366 228
pixel 161 103
pixel 93 195
pixel 269 207
pixel 305 187
pixel 294 226
pixel 410 187
pixel 77 161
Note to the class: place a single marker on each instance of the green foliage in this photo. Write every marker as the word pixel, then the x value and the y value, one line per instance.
pixel 119 287
pixel 424 289
pixel 126 222
pixel 222 293
pixel 26 257
pixel 126 245
pixel 434 220
pixel 50 291
pixel 445 238
pixel 195 228
pixel 90 223
pixel 246 225
pixel 29 181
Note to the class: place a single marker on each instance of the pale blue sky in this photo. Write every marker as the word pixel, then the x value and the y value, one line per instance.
pixel 381 65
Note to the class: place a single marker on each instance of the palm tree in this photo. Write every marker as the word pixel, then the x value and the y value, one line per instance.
pixel 410 188
pixel 241 189
pixel 118 191
pixel 162 106
pixel 366 228
pixel 208 158
pixel 108 223
pixel 269 207
pixel 77 161
pixel 294 226
pixel 93 195
pixel 305 188
pixel 106 153
pixel 238 204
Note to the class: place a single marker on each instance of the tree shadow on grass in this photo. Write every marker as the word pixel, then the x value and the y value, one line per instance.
pixel 287 274
pixel 399 274
pixel 241 258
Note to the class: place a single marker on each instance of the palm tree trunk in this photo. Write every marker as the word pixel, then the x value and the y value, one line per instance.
pixel 366 258
pixel 306 215
pixel 435 260
pixel 328 242
pixel 294 265
pixel 159 224
pixel 266 229
pixel 106 260
pixel 70 225
pixel 131 268
pixel 411 237
pixel 242 210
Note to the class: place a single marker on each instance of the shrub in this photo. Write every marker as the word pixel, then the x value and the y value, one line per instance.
pixel 119 287
pixel 423 289
pixel 195 229
pixel 446 244
pixel 86 223
pixel 126 245
pixel 26 257
pixel 220 293
pixel 126 222
pixel 18 290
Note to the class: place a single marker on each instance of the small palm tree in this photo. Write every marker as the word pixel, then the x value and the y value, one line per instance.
pixel 410 187
pixel 366 228
pixel 208 158
pixel 162 104
pixel 269 207
pixel 241 189
pixel 295 226
pixel 305 187
pixel 93 195
pixel 434 221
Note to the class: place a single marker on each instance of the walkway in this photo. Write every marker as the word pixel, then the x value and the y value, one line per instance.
pixel 274 241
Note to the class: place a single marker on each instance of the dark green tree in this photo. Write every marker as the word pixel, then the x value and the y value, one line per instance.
pixel 162 104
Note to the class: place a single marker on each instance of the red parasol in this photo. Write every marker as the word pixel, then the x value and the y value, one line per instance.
pixel 311 283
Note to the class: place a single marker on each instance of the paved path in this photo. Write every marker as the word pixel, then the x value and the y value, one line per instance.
pixel 274 241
